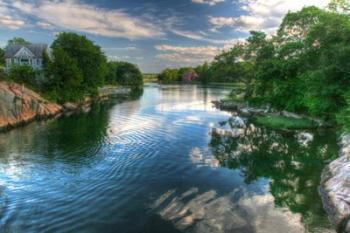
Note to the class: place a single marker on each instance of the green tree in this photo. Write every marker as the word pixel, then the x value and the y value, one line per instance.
pixel 65 79
pixel 204 73
pixel 17 41
pixel 2 57
pixel 23 75
pixel 169 75
pixel 124 73
pixel 184 70
pixel 88 57
pixel 342 6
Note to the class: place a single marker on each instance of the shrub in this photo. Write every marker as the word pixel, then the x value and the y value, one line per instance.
pixel 23 75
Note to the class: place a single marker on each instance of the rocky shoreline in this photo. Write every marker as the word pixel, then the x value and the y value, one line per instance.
pixel 245 110
pixel 335 188
pixel 335 179
pixel 20 105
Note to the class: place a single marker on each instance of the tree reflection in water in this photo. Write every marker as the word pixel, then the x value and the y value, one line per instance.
pixel 292 161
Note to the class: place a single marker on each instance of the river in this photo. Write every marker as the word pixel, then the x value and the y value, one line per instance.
pixel 153 165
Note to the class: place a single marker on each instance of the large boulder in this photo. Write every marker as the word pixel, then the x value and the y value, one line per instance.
pixel 19 105
pixel 335 188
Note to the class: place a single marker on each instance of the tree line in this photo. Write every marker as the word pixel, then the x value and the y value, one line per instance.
pixel 303 68
pixel 75 68
pixel 170 75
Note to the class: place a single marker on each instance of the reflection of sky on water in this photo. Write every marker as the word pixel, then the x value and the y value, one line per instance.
pixel 208 212
pixel 169 150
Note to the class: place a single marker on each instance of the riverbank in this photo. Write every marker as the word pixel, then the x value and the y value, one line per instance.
pixel 20 105
pixel 270 117
pixel 335 188
pixel 335 179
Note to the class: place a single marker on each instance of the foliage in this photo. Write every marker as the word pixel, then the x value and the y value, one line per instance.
pixel 184 70
pixel 76 68
pixel 17 41
pixel 149 77
pixel 2 57
pixel 204 73
pixel 124 73
pixel 176 75
pixel 169 75
pixel 65 80
pixel 23 75
pixel 3 75
pixel 339 5
pixel 278 157
pixel 281 122
pixel 304 68
pixel 87 56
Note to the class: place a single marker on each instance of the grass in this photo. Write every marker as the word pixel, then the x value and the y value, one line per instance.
pixel 150 78
pixel 281 122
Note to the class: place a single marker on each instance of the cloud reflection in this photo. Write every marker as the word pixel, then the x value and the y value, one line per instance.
pixel 208 212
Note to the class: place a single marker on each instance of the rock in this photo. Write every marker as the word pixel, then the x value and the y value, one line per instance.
pixel 335 188
pixel 227 105
pixel 237 121
pixel 113 90
pixel 70 106
pixel 248 111
pixel 305 138
pixel 19 105
pixel 228 133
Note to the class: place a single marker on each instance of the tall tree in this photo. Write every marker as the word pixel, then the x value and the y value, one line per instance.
pixel 64 77
pixel 89 58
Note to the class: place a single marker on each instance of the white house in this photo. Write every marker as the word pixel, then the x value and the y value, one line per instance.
pixel 31 55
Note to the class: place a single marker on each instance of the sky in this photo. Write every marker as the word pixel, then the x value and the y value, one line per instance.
pixel 154 34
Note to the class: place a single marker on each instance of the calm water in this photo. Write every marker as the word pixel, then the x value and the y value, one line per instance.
pixel 152 165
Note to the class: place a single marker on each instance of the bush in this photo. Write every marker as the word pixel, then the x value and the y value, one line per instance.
pixel 23 75
pixel 124 73
pixel 281 122
pixel 2 74
pixel 169 75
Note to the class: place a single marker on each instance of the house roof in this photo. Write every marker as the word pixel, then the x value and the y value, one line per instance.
pixel 36 49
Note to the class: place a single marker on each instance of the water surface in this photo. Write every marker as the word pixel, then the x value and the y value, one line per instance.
pixel 154 165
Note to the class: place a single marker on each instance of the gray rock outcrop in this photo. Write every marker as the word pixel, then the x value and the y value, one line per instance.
pixel 335 188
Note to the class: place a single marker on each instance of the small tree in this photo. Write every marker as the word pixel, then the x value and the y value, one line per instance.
pixel 169 75
pixel 18 41
pixel 124 73
pixel 128 74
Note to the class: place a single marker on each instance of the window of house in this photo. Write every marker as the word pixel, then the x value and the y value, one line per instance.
pixel 25 61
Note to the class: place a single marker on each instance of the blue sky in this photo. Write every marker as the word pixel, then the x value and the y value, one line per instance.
pixel 154 34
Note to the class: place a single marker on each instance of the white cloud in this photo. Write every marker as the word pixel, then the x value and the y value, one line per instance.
pixel 45 25
pixel 263 15
pixel 202 36
pixel 77 16
pixel 10 22
pixel 189 55
pixel 8 18
pixel 208 2
pixel 205 50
